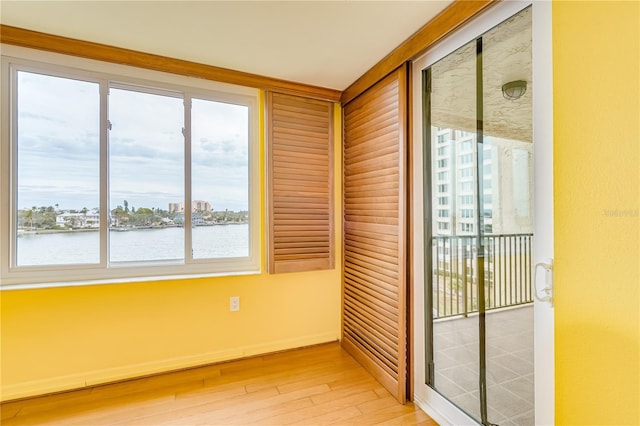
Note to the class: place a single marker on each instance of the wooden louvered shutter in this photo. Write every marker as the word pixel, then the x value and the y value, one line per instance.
pixel 374 283
pixel 300 184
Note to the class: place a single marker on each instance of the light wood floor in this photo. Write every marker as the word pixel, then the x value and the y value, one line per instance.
pixel 316 385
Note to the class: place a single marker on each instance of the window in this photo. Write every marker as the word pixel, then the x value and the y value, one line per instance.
pixel 466 146
pixel 443 138
pixel 443 226
pixel 466 159
pixel 106 162
pixel 466 213
pixel 443 176
pixel 466 172
pixel 443 201
pixel 466 200
pixel 443 163
pixel 443 213
pixel 487 152
pixel 466 227
pixel 443 150
pixel 443 188
pixel 466 186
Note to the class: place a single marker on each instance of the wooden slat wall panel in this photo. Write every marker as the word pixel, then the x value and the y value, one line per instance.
pixel 374 255
pixel 300 184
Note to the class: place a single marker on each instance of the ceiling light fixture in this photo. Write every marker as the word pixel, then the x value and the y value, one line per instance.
pixel 514 89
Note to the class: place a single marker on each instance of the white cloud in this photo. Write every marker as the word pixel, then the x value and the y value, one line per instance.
pixel 58 157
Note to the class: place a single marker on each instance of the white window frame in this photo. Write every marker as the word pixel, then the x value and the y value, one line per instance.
pixel 12 276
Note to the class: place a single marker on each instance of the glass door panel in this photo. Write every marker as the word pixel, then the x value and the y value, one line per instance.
pixel 479 186
pixel 452 234
pixel 506 168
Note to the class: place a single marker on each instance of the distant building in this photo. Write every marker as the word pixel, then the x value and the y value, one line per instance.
pixel 196 206
pixel 79 220
pixel 176 207
pixel 507 189
pixel 200 206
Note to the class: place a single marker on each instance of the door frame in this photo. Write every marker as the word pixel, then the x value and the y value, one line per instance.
pixel 434 404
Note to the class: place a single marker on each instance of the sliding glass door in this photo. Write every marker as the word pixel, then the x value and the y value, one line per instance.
pixel 478 208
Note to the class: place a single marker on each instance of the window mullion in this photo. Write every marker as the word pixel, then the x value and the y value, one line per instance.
pixel 188 242
pixel 12 166
pixel 104 173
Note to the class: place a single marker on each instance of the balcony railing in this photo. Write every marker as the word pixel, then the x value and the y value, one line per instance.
pixel 507 273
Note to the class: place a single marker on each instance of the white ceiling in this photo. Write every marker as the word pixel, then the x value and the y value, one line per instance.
pixel 323 43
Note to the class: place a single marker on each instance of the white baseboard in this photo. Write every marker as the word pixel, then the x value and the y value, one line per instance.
pixel 108 375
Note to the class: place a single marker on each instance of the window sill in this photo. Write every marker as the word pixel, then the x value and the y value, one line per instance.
pixel 130 280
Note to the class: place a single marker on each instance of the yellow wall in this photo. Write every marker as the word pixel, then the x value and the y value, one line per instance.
pixel 596 171
pixel 61 338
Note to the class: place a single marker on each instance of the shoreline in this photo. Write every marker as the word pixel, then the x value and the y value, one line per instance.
pixel 24 232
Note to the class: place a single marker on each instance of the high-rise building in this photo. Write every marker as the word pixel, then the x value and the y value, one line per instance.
pixel 506 189
pixel 196 206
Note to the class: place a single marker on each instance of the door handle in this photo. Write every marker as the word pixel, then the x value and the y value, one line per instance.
pixel 545 294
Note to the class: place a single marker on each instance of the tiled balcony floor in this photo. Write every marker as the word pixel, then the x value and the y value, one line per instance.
pixel 510 383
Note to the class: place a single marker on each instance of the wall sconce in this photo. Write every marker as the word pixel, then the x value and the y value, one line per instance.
pixel 514 89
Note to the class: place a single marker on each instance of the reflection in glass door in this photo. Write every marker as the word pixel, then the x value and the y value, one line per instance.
pixel 479 186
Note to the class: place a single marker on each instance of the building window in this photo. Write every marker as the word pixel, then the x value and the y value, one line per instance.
pixel 466 159
pixel 104 166
pixel 466 146
pixel 443 201
pixel 443 150
pixel 443 163
pixel 466 200
pixel 466 227
pixel 466 213
pixel 466 172
pixel 443 138
pixel 443 213
pixel 443 176
pixel 466 186
pixel 487 152
pixel 443 188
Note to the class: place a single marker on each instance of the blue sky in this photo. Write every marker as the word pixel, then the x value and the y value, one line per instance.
pixel 58 154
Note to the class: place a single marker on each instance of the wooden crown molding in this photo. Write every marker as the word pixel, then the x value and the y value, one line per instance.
pixel 101 52
pixel 456 14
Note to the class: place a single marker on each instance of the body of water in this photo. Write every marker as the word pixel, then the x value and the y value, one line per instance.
pixel 68 248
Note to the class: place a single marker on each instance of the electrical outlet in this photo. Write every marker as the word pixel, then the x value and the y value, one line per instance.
pixel 234 303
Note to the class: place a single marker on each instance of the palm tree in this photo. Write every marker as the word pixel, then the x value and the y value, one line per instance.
pixel 28 215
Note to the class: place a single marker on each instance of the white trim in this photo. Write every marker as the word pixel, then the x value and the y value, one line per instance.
pixel 107 74
pixel 543 313
pixel 443 411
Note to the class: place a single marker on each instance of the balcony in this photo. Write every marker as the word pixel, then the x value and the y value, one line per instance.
pixel 508 306
pixel 507 261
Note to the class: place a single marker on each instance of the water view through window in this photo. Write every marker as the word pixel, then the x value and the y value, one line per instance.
pixel 58 161
pixel 230 240
pixel 150 135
